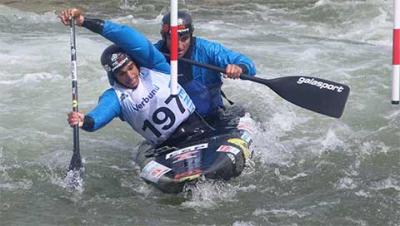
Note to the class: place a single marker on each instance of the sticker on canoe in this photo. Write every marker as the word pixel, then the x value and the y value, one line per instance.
pixel 228 149
pixel 187 149
pixel 246 137
pixel 153 171
pixel 185 156
pixel 243 145
pixel 232 157
pixel 187 176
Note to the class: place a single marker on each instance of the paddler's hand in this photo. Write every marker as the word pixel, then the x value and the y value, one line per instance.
pixel 233 71
pixel 75 118
pixel 66 14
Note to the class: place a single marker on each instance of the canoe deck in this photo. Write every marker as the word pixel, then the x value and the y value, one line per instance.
pixel 221 155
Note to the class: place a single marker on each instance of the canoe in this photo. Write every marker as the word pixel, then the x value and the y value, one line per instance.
pixel 221 155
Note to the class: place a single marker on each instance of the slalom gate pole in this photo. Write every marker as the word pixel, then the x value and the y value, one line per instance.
pixel 396 54
pixel 174 47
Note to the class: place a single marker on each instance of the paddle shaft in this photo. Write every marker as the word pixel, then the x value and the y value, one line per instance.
pixel 315 94
pixel 221 70
pixel 76 162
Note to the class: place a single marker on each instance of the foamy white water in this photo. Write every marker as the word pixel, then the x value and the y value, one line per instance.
pixel 308 169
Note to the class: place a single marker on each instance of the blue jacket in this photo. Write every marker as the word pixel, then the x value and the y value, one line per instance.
pixel 138 48
pixel 203 85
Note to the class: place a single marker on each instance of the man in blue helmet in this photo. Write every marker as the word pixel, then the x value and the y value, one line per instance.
pixel 140 92
pixel 203 85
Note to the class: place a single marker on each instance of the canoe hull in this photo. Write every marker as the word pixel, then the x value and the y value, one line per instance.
pixel 221 156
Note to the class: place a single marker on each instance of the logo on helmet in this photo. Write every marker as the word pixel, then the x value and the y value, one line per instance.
pixel 114 57
pixel 182 28
pixel 180 21
pixel 118 60
pixel 184 23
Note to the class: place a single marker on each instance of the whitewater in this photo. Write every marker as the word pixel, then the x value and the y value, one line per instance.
pixel 308 169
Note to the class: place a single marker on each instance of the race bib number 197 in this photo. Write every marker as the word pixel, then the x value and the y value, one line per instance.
pixel 163 116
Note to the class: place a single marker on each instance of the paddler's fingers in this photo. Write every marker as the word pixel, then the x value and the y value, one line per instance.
pixel 75 118
pixel 233 71
pixel 64 19
pixel 78 14
pixel 72 119
pixel 67 14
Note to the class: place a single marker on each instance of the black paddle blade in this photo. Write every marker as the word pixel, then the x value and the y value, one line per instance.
pixel 315 94
pixel 76 162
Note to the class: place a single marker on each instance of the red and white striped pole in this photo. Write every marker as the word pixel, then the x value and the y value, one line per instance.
pixel 396 53
pixel 174 47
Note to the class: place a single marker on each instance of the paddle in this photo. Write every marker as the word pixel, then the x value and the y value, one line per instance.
pixel 315 94
pixel 76 162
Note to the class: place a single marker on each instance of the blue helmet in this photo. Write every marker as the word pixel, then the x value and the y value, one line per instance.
pixel 113 59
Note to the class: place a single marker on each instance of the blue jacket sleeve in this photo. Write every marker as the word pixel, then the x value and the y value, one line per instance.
pixel 106 110
pixel 136 46
pixel 158 44
pixel 221 56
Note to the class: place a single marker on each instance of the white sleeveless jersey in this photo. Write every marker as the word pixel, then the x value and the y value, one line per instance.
pixel 150 109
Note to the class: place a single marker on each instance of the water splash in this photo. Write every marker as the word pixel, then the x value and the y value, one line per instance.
pixel 206 194
pixel 126 5
pixel 74 180
pixel 243 223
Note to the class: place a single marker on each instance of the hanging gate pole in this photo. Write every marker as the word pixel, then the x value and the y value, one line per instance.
pixel 396 53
